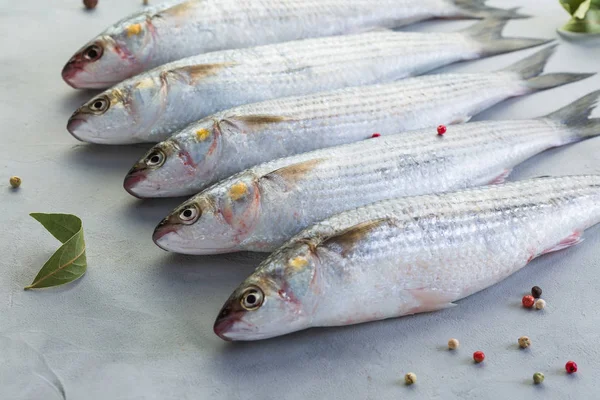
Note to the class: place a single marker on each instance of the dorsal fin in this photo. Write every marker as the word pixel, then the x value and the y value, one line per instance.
pixel 343 242
pixel 252 122
pixel 194 73
pixel 288 176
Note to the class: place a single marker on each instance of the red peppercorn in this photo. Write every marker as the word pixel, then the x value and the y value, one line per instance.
pixel 478 356
pixel 571 367
pixel 376 135
pixel 528 301
pixel 441 129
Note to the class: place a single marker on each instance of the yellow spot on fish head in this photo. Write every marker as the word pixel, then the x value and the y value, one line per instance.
pixel 298 262
pixel 238 191
pixel 116 96
pixel 202 134
pixel 134 29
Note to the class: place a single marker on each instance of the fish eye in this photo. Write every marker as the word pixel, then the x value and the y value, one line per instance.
pixel 155 159
pixel 93 52
pixel 190 214
pixel 252 298
pixel 99 105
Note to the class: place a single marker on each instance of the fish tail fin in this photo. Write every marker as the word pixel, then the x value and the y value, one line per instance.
pixel 531 67
pixel 488 34
pixel 576 117
pixel 478 9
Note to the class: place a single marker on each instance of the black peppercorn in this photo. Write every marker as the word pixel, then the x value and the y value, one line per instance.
pixel 536 291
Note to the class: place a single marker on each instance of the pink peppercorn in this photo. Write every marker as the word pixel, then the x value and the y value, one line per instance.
pixel 571 367
pixel 376 135
pixel 478 356
pixel 441 129
pixel 528 301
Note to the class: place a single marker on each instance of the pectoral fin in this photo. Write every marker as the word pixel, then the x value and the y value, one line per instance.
pixel 193 74
pixel 179 10
pixel 251 123
pixel 288 177
pixel 343 242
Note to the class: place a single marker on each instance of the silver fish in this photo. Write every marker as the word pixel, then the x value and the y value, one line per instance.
pixel 153 105
pixel 228 142
pixel 175 30
pixel 408 255
pixel 261 208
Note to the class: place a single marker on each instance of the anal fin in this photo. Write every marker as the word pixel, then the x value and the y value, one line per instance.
pixel 573 239
pixel 460 120
pixel 501 178
pixel 428 299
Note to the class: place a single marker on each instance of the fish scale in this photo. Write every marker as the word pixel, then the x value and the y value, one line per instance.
pixel 535 206
pixel 175 30
pixel 419 254
pixel 150 106
pixel 267 204
pixel 327 119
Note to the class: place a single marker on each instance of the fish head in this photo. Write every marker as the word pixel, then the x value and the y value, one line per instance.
pixel 121 115
pixel 216 221
pixel 278 298
pixel 178 166
pixel 115 55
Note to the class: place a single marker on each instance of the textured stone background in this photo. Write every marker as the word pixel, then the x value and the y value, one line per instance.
pixel 139 324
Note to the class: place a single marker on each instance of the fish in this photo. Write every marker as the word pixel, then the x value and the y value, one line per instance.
pixel 175 30
pixel 226 143
pixel 152 106
pixel 259 209
pixel 408 255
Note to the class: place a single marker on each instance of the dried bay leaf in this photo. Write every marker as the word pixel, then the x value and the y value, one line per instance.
pixel 68 263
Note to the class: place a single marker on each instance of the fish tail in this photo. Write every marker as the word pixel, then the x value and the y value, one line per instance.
pixel 531 67
pixel 478 9
pixel 488 34
pixel 576 117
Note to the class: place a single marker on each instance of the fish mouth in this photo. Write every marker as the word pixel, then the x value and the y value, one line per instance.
pixel 132 180
pixel 222 327
pixel 227 319
pixel 167 237
pixel 73 125
pixel 70 72
pixel 160 233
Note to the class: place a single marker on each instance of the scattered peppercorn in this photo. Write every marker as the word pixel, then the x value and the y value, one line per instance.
pixel 571 367
pixel 540 304
pixel 478 356
pixel 376 135
pixel 15 181
pixel 410 378
pixel 145 2
pixel 453 344
pixel 538 378
pixel 90 4
pixel 536 292
pixel 441 130
pixel 524 342
pixel 528 301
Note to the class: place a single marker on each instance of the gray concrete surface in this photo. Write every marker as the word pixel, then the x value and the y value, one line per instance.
pixel 139 324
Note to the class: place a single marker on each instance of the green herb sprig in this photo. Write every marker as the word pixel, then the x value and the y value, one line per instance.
pixel 69 262
pixel 585 16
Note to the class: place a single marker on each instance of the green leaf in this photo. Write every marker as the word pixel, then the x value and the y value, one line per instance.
pixel 583 9
pixel 572 5
pixel 69 262
pixel 590 24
